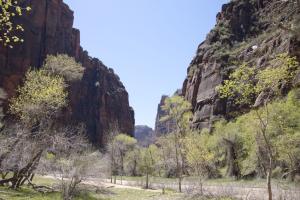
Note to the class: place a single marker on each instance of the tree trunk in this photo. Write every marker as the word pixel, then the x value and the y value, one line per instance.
pixel 263 129
pixel 200 182
pixel 292 176
pixel 231 159
pixel 18 178
pixel 147 180
pixel 178 168
pixel 269 178
pixel 122 168
pixel 4 174
pixel 134 173
pixel 2 182
pixel 179 183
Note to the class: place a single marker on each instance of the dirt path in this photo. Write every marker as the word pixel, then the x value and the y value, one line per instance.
pixel 105 183
pixel 237 191
pixel 240 192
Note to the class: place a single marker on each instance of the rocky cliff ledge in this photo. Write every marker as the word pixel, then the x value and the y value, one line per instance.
pixel 251 31
pixel 99 100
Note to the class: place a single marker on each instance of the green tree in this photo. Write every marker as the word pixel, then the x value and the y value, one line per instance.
pixel 149 159
pixel 37 105
pixel 242 87
pixel 41 97
pixel 179 111
pixel 167 154
pixel 235 145
pixel 131 161
pixel 123 143
pixel 285 132
pixel 9 9
pixel 198 154
pixel 228 140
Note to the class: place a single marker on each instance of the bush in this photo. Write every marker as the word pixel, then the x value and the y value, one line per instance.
pixel 64 66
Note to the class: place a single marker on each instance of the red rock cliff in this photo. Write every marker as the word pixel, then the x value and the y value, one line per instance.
pixel 250 31
pixel 99 100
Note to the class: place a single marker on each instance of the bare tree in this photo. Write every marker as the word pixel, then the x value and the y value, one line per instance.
pixel 71 160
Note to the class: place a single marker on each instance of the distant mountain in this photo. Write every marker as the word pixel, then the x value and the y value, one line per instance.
pixel 144 135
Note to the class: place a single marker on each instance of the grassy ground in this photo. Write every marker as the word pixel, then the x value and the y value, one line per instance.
pixel 26 193
pixel 110 194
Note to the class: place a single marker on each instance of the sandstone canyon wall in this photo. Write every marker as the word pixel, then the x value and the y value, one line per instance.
pixel 164 127
pixel 98 100
pixel 251 31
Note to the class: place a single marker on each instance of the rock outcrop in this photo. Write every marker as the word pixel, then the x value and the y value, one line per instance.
pixel 163 127
pixel 99 100
pixel 251 31
pixel 144 135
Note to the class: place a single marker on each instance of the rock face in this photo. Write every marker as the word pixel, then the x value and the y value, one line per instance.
pixel 163 127
pixel 98 100
pixel 251 31
pixel 144 135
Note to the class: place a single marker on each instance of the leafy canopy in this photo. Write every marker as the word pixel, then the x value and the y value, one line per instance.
pixel 198 154
pixel 41 96
pixel 283 130
pixel 9 31
pixel 245 84
pixel 179 111
pixel 149 157
pixel 123 139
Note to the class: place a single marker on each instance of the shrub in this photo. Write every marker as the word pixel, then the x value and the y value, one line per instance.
pixel 64 66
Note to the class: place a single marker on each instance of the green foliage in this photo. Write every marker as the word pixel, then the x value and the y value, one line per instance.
pixel 239 85
pixel 280 72
pixel 198 153
pixel 178 110
pixel 283 133
pixel 149 159
pixel 9 9
pixel 132 159
pixel 41 96
pixel 124 141
pixel 244 83
pixel 64 66
pixel 167 154
pixel 284 129
pixel 121 145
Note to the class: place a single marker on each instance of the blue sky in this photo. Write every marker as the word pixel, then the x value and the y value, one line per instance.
pixel 149 43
